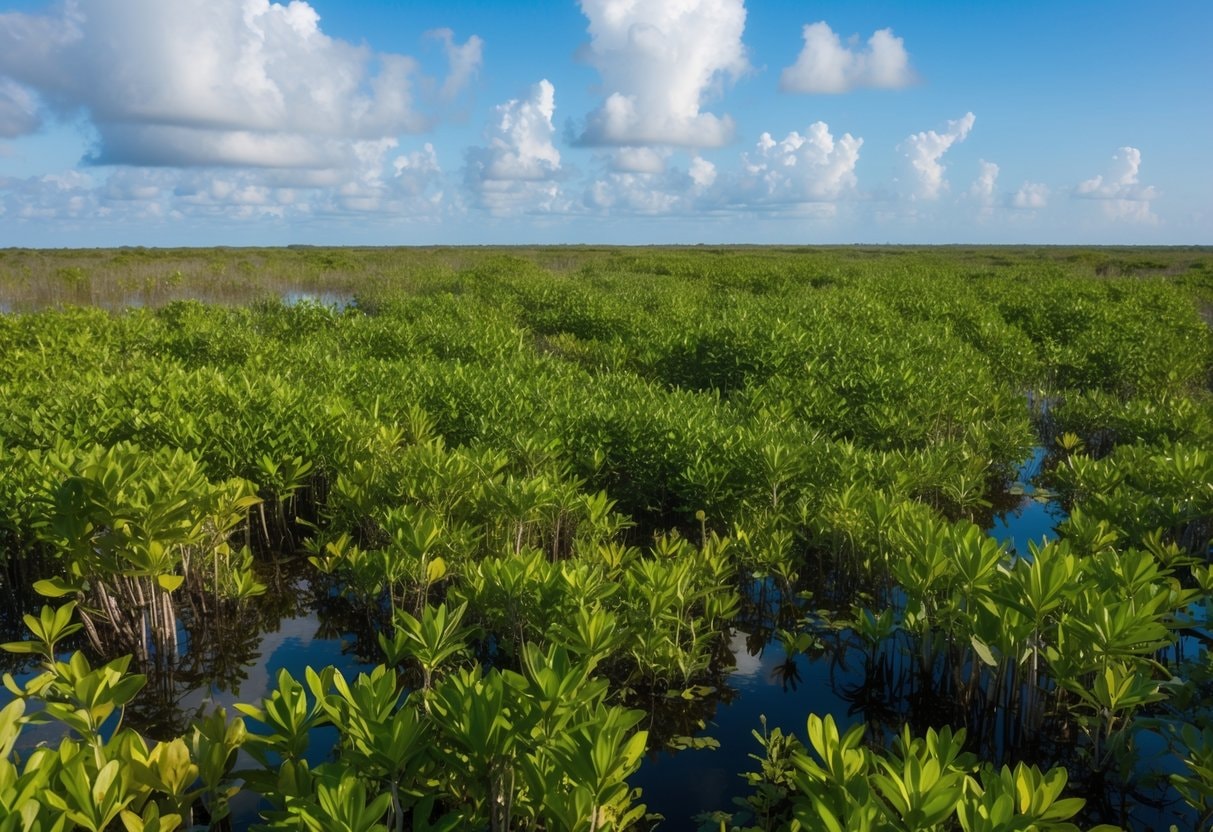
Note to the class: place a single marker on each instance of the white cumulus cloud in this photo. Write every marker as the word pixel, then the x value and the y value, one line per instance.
pixel 924 150
pixel 668 190
pixel 702 173
pixel 827 65
pixel 518 167
pixel 409 188
pixel 814 167
pixel 1124 196
pixel 242 83
pixel 659 61
pixel 69 195
pixel 639 160
pixel 417 172
pixel 1031 196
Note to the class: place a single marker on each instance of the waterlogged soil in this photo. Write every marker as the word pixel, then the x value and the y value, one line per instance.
pixel 298 624
pixel 779 690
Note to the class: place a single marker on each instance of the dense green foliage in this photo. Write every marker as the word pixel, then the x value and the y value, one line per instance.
pixel 549 482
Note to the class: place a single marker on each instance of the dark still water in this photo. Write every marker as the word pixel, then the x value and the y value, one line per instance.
pixel 770 686
pixel 297 625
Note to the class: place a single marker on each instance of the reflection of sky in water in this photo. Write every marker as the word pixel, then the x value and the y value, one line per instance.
pixel 678 785
pixel 1031 520
pixel 295 647
pixel 334 300
pixel 684 784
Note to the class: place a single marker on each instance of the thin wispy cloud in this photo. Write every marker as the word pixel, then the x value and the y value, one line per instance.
pixel 982 189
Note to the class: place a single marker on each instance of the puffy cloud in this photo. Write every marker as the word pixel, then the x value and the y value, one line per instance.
pixel 373 191
pixel 668 190
pixel 983 186
pixel 802 175
pixel 826 65
pixel 1031 196
pixel 924 150
pixel 417 172
pixel 814 167
pixel 518 168
pixel 659 61
pixel 245 83
pixel 65 196
pixel 702 173
pixel 671 192
pixel 635 193
pixel 1125 198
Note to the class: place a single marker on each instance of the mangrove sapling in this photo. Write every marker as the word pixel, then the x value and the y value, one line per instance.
pixel 1195 784
pixel 431 640
pixel 518 599
pixel 342 803
pixel 599 524
pixel 524 503
pixel 772 783
pixel 926 783
pixel 593 633
pixel 924 573
pixel 411 563
pixel 109 771
pixel 279 481
pixel 214 742
pixel 1041 588
pixel 830 409
pixel 484 734
pixel 383 739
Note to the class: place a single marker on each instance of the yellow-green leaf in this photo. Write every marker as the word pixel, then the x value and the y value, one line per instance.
pixel 170 582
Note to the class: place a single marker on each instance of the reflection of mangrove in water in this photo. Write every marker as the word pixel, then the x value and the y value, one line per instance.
pixel 223 647
pixel 790 659
pixel 17 599
pixel 784 659
pixel 219 644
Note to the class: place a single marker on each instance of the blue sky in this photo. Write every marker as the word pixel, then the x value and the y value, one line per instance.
pixel 246 122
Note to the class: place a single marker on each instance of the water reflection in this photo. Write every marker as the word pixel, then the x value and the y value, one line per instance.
pixel 1034 517
pixel 229 652
pixel 835 676
pixel 234 654
pixel 338 301
pixel 682 784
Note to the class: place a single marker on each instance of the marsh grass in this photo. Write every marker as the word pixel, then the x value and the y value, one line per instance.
pixel 114 279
